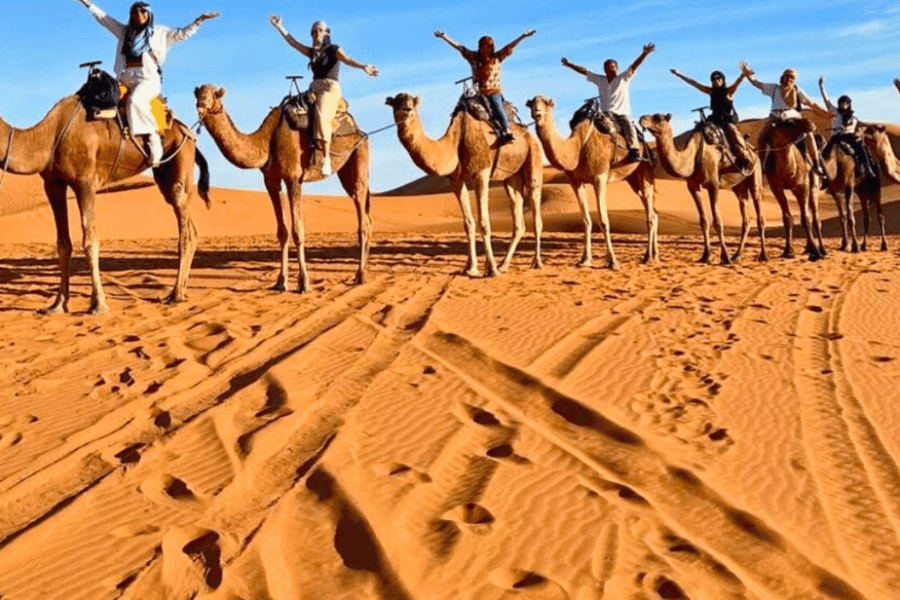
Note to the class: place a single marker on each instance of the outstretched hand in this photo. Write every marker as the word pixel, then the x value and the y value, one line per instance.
pixel 745 69
pixel 565 61
pixel 371 70
pixel 275 20
pixel 674 71
pixel 207 16
pixel 529 33
pixel 439 34
pixel 648 48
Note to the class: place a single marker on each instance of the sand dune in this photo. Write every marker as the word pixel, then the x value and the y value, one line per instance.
pixel 672 430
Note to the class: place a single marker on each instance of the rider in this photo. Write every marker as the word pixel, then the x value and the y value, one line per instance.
pixel 612 88
pixel 787 100
pixel 324 62
pixel 485 65
pixel 844 129
pixel 721 104
pixel 140 55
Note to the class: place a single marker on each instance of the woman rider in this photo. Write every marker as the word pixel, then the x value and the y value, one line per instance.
pixel 844 129
pixel 721 104
pixel 324 61
pixel 140 55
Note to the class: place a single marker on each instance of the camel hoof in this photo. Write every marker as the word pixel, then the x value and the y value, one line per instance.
pixel 360 279
pixel 472 272
pixel 278 287
pixel 583 263
pixel 863 247
pixel 537 264
pixel 612 265
pixel 736 257
pixel 98 308
pixel 491 272
pixel 54 309
pixel 704 260
pixel 884 247
pixel 762 257
pixel 504 268
pixel 787 254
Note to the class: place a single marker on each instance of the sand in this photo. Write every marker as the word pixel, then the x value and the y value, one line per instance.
pixel 673 430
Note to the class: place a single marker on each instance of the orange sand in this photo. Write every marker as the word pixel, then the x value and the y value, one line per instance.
pixel 672 430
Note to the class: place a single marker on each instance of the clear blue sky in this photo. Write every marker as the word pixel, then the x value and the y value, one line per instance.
pixel 855 44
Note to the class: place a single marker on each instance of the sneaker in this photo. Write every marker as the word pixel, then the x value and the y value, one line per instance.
pixel 506 138
pixel 633 155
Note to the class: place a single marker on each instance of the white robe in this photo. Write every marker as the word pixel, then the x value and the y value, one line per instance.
pixel 144 83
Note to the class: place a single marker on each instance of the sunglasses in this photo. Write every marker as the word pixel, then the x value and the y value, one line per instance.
pixel 138 9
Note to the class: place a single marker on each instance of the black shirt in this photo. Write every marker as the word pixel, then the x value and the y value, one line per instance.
pixel 325 65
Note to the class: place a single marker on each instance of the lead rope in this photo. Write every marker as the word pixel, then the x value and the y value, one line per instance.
pixel 8 154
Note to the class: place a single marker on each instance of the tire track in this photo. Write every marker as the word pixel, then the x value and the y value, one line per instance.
pixel 95 452
pixel 765 560
pixel 843 452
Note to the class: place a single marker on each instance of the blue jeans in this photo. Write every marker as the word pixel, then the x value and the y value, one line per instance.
pixel 496 101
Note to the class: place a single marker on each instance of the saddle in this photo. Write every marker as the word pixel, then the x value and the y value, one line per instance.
pixel 296 109
pixel 105 98
pixel 478 107
pixel 590 111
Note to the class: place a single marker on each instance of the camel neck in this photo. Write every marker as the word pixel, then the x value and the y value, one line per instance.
pixel 247 151
pixel 29 151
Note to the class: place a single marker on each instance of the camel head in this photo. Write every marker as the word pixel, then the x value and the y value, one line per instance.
pixel 657 124
pixel 405 107
pixel 541 108
pixel 209 100
pixel 875 137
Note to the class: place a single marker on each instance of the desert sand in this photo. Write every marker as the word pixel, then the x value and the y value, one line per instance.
pixel 673 430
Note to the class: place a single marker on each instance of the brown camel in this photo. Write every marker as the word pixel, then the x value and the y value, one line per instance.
pixel 69 151
pixel 468 155
pixel 703 166
pixel 786 168
pixel 283 155
pixel 878 139
pixel 589 157
pixel 843 183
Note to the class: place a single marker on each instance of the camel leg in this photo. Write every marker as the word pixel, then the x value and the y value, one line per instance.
pixel 273 187
pixel 84 192
pixel 533 184
pixel 641 181
pixel 742 192
pixel 842 218
pixel 876 200
pixel 755 188
pixel 512 187
pixel 484 220
pixel 581 196
pixel 294 191
pixel 712 191
pixel 787 220
pixel 694 189
pixel 462 196
pixel 355 180
pixel 600 191
pixel 851 218
pixel 56 194
pixel 178 198
pixel 815 222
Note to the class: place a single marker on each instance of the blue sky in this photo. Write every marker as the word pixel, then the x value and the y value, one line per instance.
pixel 855 44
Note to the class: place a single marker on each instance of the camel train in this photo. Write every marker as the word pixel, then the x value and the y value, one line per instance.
pixel 105 133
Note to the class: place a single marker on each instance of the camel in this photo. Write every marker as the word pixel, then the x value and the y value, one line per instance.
pixel 786 168
pixel 843 183
pixel 283 155
pixel 702 164
pixel 468 155
pixel 589 157
pixel 877 139
pixel 69 151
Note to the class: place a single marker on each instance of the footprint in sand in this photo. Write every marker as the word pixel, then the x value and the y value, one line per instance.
pixel 527 584
pixel 471 516
pixel 167 490
pixel 506 453
pixel 403 472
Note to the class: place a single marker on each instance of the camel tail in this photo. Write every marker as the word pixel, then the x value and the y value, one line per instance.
pixel 203 182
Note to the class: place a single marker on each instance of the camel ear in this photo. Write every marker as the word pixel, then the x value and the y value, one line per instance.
pixel 416 101
pixel 550 102
pixel 220 92
pixel 389 100
pixel 196 91
pixel 880 128
pixel 667 116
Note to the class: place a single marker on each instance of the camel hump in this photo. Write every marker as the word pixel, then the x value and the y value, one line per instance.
pixel 297 109
pixel 103 97
pixel 477 106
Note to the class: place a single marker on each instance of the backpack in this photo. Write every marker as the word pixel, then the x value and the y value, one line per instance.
pixel 100 92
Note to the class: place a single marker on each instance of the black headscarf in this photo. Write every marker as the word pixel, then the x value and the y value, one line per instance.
pixel 137 39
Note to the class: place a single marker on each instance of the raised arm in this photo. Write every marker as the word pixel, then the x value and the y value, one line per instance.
pixel 114 26
pixel 637 62
pixel 578 68
pixel 507 49
pixel 459 47
pixel 182 33
pixel 897 84
pixel 275 20
pixel 747 72
pixel 734 86
pixel 825 97
pixel 370 70
pixel 703 88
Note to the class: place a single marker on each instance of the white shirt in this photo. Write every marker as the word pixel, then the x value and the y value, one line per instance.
pixel 613 94
pixel 837 121
pixel 780 108
pixel 162 38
